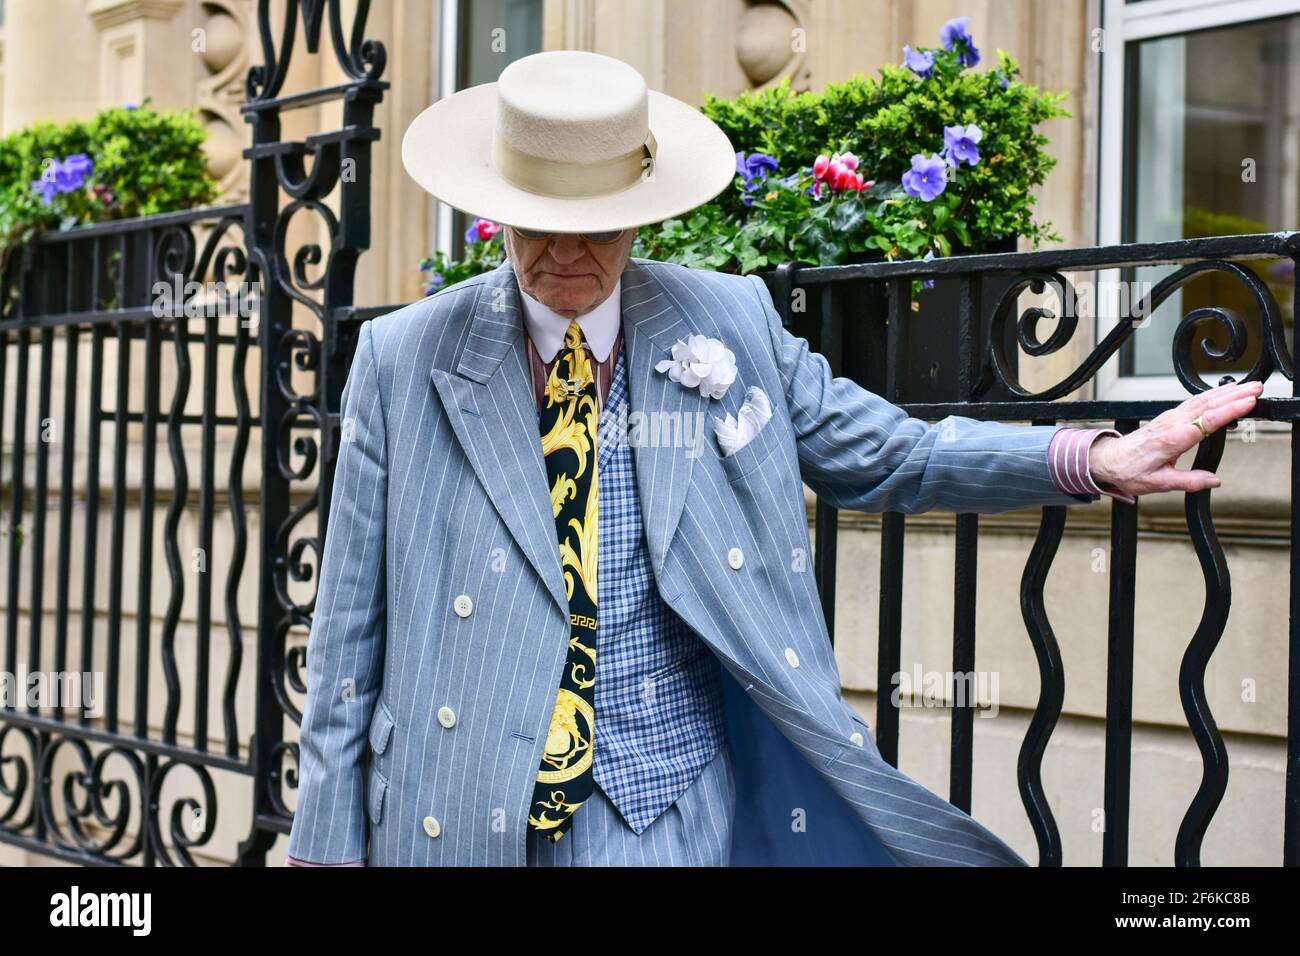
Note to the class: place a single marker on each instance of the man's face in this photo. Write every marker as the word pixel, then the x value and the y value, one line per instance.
pixel 566 273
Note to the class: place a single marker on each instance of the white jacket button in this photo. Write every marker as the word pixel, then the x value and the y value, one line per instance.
pixel 432 827
pixel 463 606
pixel 856 738
pixel 735 558
pixel 791 657
pixel 447 717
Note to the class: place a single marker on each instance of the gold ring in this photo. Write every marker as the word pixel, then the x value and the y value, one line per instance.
pixel 1199 422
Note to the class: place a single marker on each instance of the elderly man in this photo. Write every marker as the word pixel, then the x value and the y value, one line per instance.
pixel 560 621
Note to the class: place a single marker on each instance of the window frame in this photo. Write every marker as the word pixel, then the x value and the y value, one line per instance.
pixel 1125 22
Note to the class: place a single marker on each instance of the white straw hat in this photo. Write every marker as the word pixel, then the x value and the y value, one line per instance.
pixel 568 141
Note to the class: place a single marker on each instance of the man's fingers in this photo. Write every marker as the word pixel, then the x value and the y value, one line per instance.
pixel 1182 433
pixel 1216 397
pixel 1225 414
pixel 1172 479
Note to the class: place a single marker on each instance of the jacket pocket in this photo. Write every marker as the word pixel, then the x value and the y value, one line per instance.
pixel 375 790
pixel 753 453
pixel 381 727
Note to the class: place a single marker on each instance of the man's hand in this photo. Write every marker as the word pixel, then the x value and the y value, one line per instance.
pixel 1142 462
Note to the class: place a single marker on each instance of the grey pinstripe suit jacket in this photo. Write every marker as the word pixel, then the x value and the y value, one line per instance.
pixel 440 492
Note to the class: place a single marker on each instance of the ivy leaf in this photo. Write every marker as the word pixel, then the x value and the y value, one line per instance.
pixel 849 215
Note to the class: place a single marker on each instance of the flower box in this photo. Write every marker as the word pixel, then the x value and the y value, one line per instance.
pixel 930 351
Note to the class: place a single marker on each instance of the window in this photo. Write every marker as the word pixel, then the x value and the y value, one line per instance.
pixel 481 38
pixel 493 34
pixel 1200 137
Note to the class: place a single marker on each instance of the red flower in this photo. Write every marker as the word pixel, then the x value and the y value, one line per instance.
pixel 839 172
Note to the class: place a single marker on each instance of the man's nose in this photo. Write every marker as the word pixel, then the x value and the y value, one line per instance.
pixel 567 248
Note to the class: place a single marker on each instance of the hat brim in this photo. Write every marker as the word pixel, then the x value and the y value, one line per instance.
pixel 447 150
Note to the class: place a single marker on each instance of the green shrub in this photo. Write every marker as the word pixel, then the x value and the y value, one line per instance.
pixel 141 162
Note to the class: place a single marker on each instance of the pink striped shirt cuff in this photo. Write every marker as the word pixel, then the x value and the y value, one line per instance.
pixel 1067 462
pixel 290 861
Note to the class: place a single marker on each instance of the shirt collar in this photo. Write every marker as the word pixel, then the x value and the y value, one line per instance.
pixel 600 326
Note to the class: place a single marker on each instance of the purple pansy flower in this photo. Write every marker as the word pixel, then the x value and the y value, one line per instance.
pixel 45 186
pixel 928 283
pixel 79 164
pixel 754 168
pixel 919 62
pixel 959 144
pixel 956 31
pixel 927 178
pixel 70 175
pixel 64 177
pixel 758 165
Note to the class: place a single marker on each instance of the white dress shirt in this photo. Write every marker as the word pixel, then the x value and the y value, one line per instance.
pixel 600 326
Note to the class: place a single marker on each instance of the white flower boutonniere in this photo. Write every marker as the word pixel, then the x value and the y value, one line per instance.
pixel 703 363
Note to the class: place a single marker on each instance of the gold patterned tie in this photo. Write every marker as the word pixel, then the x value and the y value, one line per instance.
pixel 569 419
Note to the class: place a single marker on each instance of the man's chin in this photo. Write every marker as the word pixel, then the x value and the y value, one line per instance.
pixel 566 296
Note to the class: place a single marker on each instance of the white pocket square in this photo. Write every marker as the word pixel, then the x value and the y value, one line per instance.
pixel 735 432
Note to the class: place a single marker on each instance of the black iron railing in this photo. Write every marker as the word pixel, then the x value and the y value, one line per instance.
pixel 1207 338
pixel 249 413
pixel 86 492
pixel 106 787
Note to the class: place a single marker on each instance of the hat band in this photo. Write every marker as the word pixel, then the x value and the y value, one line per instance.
pixel 549 177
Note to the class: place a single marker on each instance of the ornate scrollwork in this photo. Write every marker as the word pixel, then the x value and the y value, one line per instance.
pixel 299 349
pixel 1272 355
pixel 283 757
pixel 191 823
pixel 305 354
pixel 295 281
pixel 14 791
pixel 87 795
pixel 360 58
pixel 291 170
pixel 999 370
pixel 174 253
pixel 289 664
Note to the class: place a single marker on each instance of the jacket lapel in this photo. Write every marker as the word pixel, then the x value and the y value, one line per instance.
pixel 673 416
pixel 490 405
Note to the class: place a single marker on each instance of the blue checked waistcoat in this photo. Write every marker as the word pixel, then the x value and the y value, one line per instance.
pixel 659 715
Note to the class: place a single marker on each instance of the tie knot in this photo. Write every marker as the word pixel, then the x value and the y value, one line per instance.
pixel 573 337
